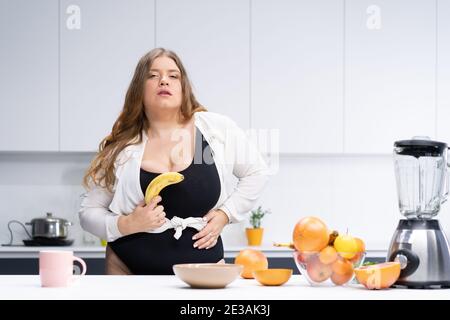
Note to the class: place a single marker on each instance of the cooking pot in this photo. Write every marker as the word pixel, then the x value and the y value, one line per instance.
pixel 49 227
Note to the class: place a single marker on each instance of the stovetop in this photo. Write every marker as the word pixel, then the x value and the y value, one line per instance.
pixel 37 242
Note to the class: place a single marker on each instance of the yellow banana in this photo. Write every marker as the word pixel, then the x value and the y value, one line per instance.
pixel 160 182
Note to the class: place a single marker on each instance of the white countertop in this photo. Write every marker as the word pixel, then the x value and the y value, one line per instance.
pixel 171 288
pixel 99 251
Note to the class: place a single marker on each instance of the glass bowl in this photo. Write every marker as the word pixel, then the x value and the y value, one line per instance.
pixel 324 269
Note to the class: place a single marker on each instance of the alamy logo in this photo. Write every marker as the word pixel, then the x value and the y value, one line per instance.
pixel 73 21
pixel 374 18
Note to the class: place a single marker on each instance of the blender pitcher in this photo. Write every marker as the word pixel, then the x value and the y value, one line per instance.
pixel 421 174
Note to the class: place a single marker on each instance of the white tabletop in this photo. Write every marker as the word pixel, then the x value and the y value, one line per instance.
pixel 171 288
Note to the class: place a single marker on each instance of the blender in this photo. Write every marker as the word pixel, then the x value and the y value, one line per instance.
pixel 419 242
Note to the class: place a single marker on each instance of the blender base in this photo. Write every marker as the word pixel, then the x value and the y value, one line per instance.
pixel 422 249
pixel 422 285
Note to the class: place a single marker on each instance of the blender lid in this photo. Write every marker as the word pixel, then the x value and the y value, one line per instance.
pixel 419 147
pixel 420 142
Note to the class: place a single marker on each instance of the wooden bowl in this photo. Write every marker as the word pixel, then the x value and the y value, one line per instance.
pixel 207 275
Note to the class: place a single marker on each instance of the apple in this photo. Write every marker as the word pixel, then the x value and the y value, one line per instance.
pixel 303 257
pixel 317 271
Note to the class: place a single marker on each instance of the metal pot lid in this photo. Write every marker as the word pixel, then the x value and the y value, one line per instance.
pixel 50 219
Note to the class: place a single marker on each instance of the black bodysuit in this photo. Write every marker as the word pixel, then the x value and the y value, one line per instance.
pixel 156 253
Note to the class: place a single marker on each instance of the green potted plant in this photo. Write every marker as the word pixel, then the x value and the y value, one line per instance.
pixel 255 234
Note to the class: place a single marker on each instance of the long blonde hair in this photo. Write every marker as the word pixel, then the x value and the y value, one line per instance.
pixel 132 119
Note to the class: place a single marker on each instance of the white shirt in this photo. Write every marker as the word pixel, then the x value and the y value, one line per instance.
pixel 234 155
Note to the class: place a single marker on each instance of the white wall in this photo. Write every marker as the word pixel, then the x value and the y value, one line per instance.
pixel 354 192
pixel 32 184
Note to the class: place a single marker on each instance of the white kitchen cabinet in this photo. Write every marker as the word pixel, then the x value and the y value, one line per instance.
pixel 212 40
pixel 297 73
pixel 29 75
pixel 101 44
pixel 443 71
pixel 390 61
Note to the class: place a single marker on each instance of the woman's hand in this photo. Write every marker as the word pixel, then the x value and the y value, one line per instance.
pixel 207 237
pixel 143 218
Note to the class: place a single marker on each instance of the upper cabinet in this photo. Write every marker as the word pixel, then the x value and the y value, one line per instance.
pixel 390 64
pixel 29 75
pixel 212 40
pixel 327 76
pixel 443 75
pixel 297 73
pixel 101 44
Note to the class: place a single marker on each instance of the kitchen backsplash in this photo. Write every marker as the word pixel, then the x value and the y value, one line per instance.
pixel 35 183
pixel 349 192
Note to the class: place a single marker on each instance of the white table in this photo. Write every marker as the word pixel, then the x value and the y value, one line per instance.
pixel 171 288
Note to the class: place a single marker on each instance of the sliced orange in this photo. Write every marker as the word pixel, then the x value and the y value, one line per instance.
pixel 378 276
pixel 272 277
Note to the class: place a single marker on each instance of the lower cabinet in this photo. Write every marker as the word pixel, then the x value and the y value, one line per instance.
pixel 22 266
pixel 96 266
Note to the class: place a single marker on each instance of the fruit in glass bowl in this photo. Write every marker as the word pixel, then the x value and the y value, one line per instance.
pixel 328 267
pixel 325 256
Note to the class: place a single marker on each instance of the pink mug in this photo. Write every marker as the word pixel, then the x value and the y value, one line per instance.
pixel 56 268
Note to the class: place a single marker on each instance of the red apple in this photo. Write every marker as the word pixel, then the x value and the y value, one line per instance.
pixel 317 271
pixel 303 257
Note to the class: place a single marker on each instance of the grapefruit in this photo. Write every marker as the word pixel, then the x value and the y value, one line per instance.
pixel 310 234
pixel 252 260
pixel 378 276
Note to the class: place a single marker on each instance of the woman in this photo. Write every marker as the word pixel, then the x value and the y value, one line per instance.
pixel 163 128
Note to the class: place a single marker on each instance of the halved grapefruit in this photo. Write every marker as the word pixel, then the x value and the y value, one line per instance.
pixel 378 276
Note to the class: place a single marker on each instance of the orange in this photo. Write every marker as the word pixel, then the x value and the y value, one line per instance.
pixel 361 249
pixel 310 234
pixel 378 276
pixel 361 245
pixel 342 267
pixel 328 255
pixel 252 260
pixel 340 279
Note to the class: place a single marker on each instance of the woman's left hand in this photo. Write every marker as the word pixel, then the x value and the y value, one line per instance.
pixel 207 237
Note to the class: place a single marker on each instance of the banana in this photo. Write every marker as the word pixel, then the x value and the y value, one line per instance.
pixel 284 244
pixel 160 182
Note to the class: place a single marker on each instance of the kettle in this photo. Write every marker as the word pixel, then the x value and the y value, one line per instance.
pixel 49 227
